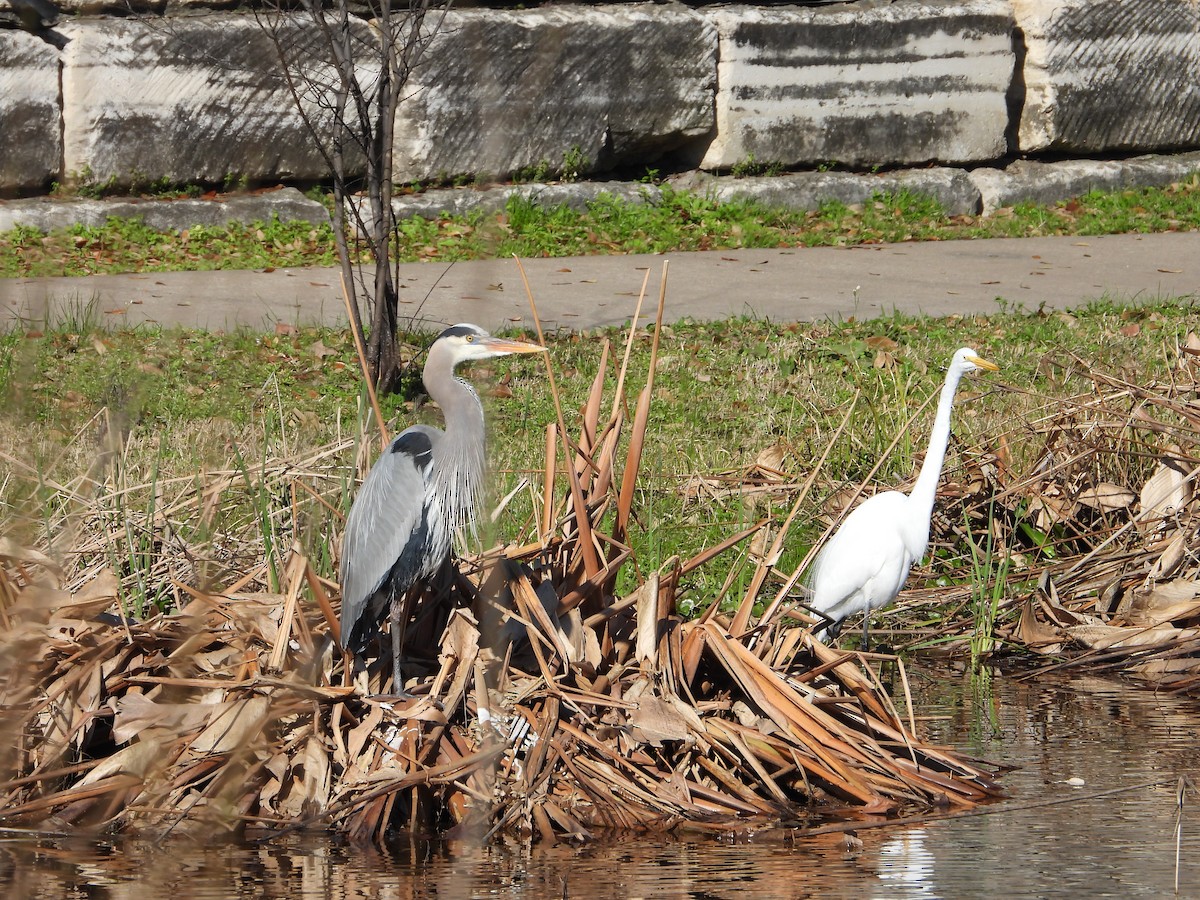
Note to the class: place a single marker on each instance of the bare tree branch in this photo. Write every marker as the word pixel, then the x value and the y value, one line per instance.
pixel 352 67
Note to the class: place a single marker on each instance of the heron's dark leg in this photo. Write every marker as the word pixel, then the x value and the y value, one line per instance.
pixel 399 619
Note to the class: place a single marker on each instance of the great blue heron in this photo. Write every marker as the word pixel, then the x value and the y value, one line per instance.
pixel 864 565
pixel 425 486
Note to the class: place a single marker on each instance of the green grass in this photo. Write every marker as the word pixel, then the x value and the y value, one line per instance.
pixel 725 391
pixel 990 565
pixel 127 245
pixel 676 221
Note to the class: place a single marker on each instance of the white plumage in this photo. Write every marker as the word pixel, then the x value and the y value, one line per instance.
pixel 866 562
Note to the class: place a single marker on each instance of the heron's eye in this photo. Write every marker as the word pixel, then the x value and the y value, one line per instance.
pixel 470 338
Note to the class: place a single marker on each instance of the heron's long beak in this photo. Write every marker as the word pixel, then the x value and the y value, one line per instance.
pixel 984 363
pixel 503 345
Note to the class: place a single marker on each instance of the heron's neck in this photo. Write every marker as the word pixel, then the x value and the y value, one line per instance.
pixel 460 461
pixel 925 490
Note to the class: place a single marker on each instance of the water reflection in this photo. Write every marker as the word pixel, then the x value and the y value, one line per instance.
pixel 1102 733
pixel 906 867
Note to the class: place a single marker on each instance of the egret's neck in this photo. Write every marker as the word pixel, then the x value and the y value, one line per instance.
pixel 925 490
pixel 460 459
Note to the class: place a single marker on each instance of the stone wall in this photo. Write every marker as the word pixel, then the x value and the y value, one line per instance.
pixel 898 84
pixel 974 83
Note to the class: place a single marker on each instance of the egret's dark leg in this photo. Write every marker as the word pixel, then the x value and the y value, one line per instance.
pixel 866 643
pixel 833 629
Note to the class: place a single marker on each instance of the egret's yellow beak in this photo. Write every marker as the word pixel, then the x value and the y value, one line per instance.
pixel 984 363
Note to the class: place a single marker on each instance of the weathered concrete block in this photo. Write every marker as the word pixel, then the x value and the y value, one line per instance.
pixel 460 202
pixel 1110 75
pixel 951 188
pixel 29 112
pixel 58 10
pixel 1038 182
pixel 195 99
pixel 47 214
pixel 587 88
pixel 861 84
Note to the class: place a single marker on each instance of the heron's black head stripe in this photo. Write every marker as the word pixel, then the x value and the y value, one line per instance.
pixel 460 331
pixel 415 444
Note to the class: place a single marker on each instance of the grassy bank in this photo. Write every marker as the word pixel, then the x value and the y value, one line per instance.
pixel 679 221
pixel 742 411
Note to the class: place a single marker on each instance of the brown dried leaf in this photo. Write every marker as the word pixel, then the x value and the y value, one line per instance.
pixel 1130 637
pixel 134 759
pixel 356 741
pixel 304 787
pixel 656 720
pixel 1166 670
pixel 1166 491
pixel 1037 635
pixel 12 552
pixel 1107 497
pixel 771 458
pixel 882 343
pixel 37 602
pixel 70 715
pixel 98 595
pixel 137 712
pixel 1175 600
pixel 1171 558
pixel 232 725
pixel 1049 510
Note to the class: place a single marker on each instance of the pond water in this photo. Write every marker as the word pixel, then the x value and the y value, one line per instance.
pixel 1073 739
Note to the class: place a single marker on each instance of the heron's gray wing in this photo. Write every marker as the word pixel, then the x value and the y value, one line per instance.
pixel 387 523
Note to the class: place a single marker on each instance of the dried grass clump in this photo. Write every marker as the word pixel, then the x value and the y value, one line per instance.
pixel 548 705
pixel 1114 495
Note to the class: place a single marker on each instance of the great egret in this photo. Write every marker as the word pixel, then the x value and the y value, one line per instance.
pixel 864 565
pixel 425 486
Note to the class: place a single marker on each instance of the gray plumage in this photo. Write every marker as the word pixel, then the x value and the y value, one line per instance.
pixel 425 486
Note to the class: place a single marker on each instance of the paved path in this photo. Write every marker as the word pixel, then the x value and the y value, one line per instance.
pixel 937 278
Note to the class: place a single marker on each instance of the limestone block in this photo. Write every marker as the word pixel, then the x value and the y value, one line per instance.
pixel 573 87
pixel 190 99
pixel 1029 181
pixel 804 191
pixel 862 84
pixel 1110 75
pixel 47 214
pixel 457 202
pixel 30 145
